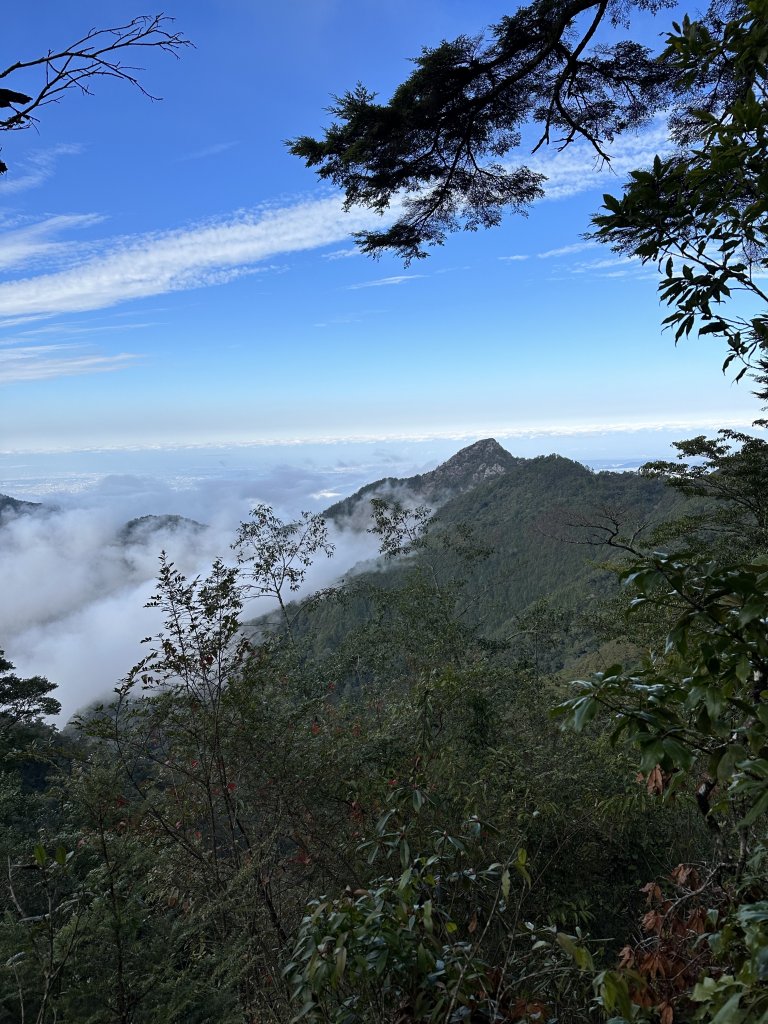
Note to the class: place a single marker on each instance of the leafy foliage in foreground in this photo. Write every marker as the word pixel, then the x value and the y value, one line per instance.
pixel 450 845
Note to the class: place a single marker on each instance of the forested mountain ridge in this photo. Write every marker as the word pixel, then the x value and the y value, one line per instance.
pixel 468 468
pixel 141 529
pixel 515 532
pixel 15 506
pixel 538 521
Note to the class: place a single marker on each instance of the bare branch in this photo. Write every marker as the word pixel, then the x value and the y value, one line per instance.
pixel 99 53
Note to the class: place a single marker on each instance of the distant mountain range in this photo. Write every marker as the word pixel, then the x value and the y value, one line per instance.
pixel 135 531
pixel 533 515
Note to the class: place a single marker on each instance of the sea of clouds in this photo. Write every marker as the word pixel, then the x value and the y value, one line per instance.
pixel 73 594
pixel 72 604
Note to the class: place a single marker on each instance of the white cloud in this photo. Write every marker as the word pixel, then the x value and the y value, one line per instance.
pixel 463 433
pixel 37 241
pixel 612 265
pixel 212 150
pixel 43 362
pixel 72 585
pixel 567 250
pixel 35 170
pixel 577 168
pixel 162 262
pixel 514 259
pixel 382 282
pixel 339 321
pixel 342 254
pixel 616 266
pixel 16 321
pixel 68 330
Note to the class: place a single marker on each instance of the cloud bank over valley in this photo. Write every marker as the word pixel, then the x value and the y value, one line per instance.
pixel 72 604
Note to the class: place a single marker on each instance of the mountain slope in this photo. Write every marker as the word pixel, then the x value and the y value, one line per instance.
pixel 141 530
pixel 539 519
pixel 10 507
pixel 476 464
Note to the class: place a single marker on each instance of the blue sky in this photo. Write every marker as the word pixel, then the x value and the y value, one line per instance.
pixel 170 275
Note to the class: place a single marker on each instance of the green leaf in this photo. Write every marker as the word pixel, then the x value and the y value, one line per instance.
pixel 566 942
pixel 405 853
pixel 505 883
pixel 754 608
pixel 341 961
pixel 729 1012
pixel 760 807
pixel 423 960
pixel 583 711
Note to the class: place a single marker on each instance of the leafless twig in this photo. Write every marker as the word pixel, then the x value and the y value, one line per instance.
pixel 97 54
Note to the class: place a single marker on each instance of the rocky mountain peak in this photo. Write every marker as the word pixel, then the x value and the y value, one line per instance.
pixel 472 465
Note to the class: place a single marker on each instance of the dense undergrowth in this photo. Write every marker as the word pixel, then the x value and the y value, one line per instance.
pixel 250 833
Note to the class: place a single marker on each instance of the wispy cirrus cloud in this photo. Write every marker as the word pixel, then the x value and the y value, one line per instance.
pixel 578 169
pixel 567 250
pixel 213 150
pixel 161 262
pixel 339 321
pixel 342 254
pixel 73 330
pixel 36 169
pixel 610 265
pixel 384 282
pixel 616 265
pixel 44 362
pixel 346 253
pixel 31 243
pixel 563 250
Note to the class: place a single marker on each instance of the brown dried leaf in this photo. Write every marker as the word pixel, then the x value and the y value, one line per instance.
pixel 652 891
pixel 652 922
pixel 655 783
pixel 681 874
pixel 697 921
pixel 626 958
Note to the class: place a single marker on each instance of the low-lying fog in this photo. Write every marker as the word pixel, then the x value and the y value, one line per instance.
pixel 73 593
pixel 73 590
